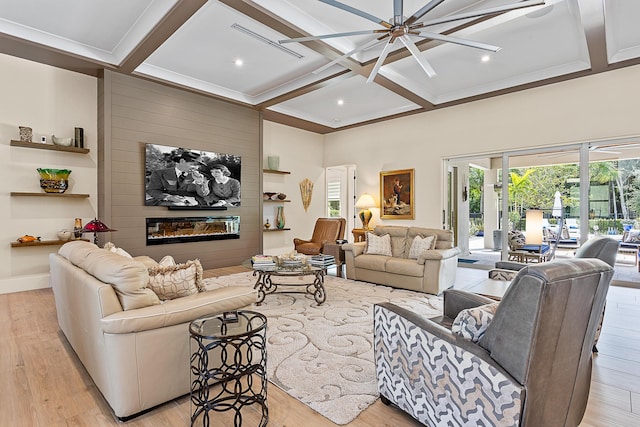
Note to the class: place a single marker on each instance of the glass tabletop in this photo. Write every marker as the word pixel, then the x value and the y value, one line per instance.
pixel 228 325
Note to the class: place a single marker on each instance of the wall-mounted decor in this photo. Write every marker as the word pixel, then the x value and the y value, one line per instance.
pixel 396 194
pixel 306 191
pixel 161 231
pixel 195 179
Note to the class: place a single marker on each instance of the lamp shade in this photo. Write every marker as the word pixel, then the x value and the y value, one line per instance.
pixel 534 227
pixel 96 226
pixel 365 202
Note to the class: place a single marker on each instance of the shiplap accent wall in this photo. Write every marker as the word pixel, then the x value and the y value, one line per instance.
pixel 133 112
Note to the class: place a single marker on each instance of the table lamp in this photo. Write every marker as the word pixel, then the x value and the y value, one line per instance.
pixel 96 226
pixel 365 202
pixel 534 227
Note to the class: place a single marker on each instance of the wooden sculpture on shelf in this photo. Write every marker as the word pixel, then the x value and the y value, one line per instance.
pixel 306 190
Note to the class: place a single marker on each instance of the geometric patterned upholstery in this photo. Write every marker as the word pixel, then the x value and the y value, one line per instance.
pixel 444 385
pixel 531 367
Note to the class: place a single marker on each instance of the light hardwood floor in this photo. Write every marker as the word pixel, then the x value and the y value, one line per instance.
pixel 44 384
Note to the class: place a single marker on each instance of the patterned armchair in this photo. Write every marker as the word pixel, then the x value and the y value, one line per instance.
pixel 525 363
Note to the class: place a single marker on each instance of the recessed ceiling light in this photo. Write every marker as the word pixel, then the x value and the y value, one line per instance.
pixel 485 58
pixel 340 101
pixel 238 62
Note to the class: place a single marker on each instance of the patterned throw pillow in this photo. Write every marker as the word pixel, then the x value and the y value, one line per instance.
pixel 472 323
pixel 175 281
pixel 378 245
pixel 421 244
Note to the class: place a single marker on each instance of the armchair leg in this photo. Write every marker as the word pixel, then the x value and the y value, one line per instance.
pixel 385 400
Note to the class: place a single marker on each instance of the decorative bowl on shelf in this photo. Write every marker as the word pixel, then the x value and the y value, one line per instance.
pixel 54 180
pixel 268 195
pixel 282 196
pixel 64 142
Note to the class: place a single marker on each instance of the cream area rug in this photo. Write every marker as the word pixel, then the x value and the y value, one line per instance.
pixel 323 355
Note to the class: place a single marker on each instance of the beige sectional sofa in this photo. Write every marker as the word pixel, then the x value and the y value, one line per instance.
pixel 432 271
pixel 135 347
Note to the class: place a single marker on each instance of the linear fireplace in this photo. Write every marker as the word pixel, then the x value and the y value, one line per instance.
pixel 161 231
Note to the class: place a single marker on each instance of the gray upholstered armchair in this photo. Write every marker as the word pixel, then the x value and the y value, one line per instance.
pixel 528 364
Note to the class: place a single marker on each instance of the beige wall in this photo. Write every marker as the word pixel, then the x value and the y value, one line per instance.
pixel 591 108
pixel 301 153
pixel 50 101
pixel 135 112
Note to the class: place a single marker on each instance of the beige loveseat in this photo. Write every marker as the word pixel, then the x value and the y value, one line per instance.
pixel 432 271
pixel 138 357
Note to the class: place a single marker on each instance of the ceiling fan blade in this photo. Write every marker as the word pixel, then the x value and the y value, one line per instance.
pixel 456 40
pixel 381 58
pixel 330 36
pixel 358 12
pixel 348 54
pixel 423 11
pixel 397 11
pixel 493 10
pixel 415 52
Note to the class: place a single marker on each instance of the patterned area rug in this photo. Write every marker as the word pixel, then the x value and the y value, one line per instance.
pixel 323 355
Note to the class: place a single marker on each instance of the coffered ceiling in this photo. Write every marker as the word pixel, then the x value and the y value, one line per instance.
pixel 196 44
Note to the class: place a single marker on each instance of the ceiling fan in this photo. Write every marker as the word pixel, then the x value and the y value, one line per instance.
pixel 403 29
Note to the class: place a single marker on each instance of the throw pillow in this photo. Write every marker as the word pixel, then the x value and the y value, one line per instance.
pixel 175 281
pixel 472 323
pixel 167 261
pixel 112 248
pixel 378 245
pixel 421 244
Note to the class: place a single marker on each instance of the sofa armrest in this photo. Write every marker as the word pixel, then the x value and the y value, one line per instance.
pixel 437 254
pixel 355 248
pixel 456 300
pixel 179 310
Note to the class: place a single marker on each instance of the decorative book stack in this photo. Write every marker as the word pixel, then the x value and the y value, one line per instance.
pixel 323 261
pixel 262 262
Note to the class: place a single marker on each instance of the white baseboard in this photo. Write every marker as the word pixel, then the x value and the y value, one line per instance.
pixel 24 283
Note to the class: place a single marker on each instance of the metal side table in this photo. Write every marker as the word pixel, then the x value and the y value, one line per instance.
pixel 228 366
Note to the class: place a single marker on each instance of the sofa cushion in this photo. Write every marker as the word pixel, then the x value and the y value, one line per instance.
pixel 444 238
pixel 178 311
pixel 398 238
pixel 421 244
pixel 378 245
pixel 404 266
pixel 472 323
pixel 175 281
pixel 371 262
pixel 128 277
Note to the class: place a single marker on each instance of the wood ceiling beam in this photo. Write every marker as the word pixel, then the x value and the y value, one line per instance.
pixel 592 16
pixel 36 52
pixel 165 28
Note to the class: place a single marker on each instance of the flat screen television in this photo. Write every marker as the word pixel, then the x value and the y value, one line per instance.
pixel 183 178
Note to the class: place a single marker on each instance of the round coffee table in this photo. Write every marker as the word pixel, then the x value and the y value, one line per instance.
pixel 228 365
pixel 265 285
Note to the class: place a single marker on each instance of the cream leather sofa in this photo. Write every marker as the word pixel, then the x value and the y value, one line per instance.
pixel 138 357
pixel 432 272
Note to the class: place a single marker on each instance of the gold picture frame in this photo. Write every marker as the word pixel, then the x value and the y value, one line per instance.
pixel 396 194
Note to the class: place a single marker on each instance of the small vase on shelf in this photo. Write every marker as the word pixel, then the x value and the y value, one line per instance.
pixel 273 162
pixel 267 225
pixel 77 228
pixel 280 217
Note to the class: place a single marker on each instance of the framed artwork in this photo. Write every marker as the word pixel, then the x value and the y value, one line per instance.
pixel 396 194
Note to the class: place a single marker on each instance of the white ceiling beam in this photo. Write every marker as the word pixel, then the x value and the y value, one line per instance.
pixel 592 16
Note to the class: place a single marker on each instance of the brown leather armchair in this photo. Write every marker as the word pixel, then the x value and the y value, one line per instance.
pixel 326 230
